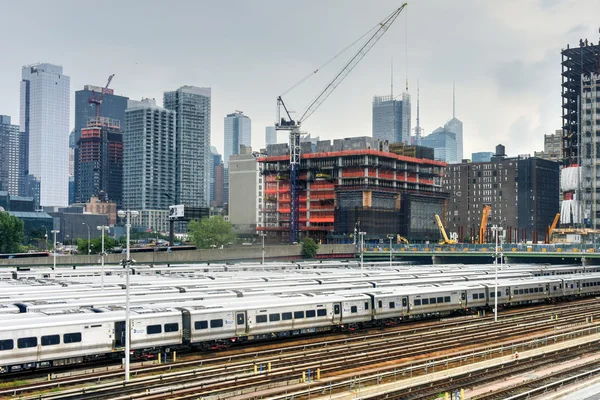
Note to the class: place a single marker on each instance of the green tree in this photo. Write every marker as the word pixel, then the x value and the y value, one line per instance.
pixel 309 248
pixel 95 245
pixel 11 233
pixel 213 231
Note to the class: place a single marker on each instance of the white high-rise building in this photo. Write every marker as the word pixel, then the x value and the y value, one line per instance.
pixel 45 103
pixel 270 135
pixel 238 132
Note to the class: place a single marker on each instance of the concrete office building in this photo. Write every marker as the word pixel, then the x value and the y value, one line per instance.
pixel 238 132
pixel 45 98
pixel 552 147
pixel 391 118
pixel 523 193
pixel 192 144
pixel 113 107
pixel 9 156
pixel 245 193
pixel 148 156
pixel 270 135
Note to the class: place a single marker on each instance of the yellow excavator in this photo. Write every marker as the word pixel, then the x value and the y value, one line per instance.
pixel 484 219
pixel 444 239
pixel 401 239
pixel 552 227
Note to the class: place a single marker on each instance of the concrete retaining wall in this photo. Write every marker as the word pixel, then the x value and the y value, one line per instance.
pixel 241 253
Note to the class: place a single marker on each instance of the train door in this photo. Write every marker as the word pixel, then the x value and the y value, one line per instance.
pixel 240 323
pixel 337 312
pixel 119 334
pixel 405 305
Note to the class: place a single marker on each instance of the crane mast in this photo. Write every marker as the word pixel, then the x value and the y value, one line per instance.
pixel 96 101
pixel 293 126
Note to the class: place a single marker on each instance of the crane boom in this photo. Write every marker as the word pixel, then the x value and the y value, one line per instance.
pixel 96 101
pixel 484 219
pixel 552 227
pixel 362 52
pixel 293 127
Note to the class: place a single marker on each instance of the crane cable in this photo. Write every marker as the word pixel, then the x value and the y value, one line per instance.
pixel 328 62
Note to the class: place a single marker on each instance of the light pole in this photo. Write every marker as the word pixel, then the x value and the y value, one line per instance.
pixel 54 232
pixel 362 248
pixel 128 214
pixel 497 230
pixel 391 249
pixel 263 234
pixel 102 228
pixel 88 228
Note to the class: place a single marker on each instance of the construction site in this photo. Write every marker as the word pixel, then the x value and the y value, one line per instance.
pixel 352 185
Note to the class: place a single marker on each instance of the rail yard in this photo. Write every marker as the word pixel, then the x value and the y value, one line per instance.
pixel 298 330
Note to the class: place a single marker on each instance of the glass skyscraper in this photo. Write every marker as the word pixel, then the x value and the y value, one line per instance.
pixel 238 131
pixel 9 159
pixel 391 118
pixel 192 144
pixel 270 135
pixel 45 98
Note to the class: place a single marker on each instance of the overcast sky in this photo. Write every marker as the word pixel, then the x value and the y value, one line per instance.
pixel 503 55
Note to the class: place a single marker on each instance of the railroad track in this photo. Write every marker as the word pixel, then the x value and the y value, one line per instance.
pixel 236 374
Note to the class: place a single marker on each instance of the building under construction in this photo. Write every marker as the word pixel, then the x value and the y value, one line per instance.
pixel 355 183
pixel 101 160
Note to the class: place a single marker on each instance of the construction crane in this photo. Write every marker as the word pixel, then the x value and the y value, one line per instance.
pixel 286 123
pixel 552 227
pixel 484 219
pixel 96 101
pixel 444 239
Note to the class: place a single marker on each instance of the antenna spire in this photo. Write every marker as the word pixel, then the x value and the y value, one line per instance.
pixel 392 80
pixel 453 99
pixel 418 127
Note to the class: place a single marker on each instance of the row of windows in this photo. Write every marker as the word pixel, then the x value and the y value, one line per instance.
pixel 286 316
pixel 48 340
pixel 528 290
pixel 433 300
pixel 588 284
pixel 156 329
pixel 391 304
pixel 478 296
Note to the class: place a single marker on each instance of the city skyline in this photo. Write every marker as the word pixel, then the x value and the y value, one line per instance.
pixel 517 75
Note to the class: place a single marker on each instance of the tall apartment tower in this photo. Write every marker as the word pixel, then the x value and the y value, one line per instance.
pixel 391 118
pixel 113 108
pixel 45 98
pixel 215 160
pixel 9 161
pixel 148 156
pixel 590 156
pixel 192 144
pixel 270 135
pixel 101 160
pixel 238 132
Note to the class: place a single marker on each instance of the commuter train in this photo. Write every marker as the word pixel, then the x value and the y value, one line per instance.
pixel 38 340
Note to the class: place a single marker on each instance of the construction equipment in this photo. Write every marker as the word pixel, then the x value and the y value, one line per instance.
pixel 401 239
pixel 96 101
pixel 293 126
pixel 444 239
pixel 552 227
pixel 484 219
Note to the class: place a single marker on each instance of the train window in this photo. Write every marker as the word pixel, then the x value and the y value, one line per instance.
pixel 366 305
pixel 216 323
pixel 525 291
pixel 298 314
pixel 72 337
pixel 417 302
pixel 516 291
pixel 174 327
pixel 241 318
pixel 354 309
pixel 7 344
pixel 274 317
pixel 440 300
pixel 404 302
pixel 555 288
pixel 201 325
pixel 492 295
pixel 95 326
pixel 447 299
pixel 286 316
pixel 507 291
pixel 392 304
pixel 50 340
pixel 499 294
pixel 521 291
pixel 261 319
pixel 153 329
pixel 26 342
pixel 310 313
pixel 322 312
pixel 425 302
pixel 380 304
pixel 432 300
